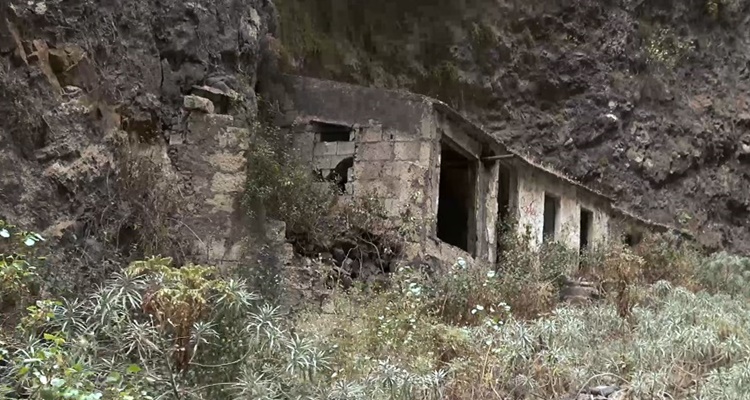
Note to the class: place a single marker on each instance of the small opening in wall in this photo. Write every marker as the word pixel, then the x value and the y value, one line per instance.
pixel 632 239
pixel 551 208
pixel 340 174
pixel 587 225
pixel 456 208
pixel 503 194
pixel 331 132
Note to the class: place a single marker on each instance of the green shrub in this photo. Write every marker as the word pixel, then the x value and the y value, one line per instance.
pixel 281 187
pixel 156 331
pixel 19 280
pixel 529 276
pixel 725 273
pixel 668 257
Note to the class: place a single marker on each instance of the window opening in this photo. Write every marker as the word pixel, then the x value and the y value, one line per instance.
pixel 503 195
pixel 632 239
pixel 551 208
pixel 326 132
pixel 586 233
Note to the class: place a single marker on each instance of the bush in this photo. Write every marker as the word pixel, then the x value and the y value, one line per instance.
pixel 19 280
pixel 530 277
pixel 667 257
pixel 155 330
pixel 279 186
pixel 725 273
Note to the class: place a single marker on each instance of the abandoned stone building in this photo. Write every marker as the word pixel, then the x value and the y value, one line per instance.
pixel 415 153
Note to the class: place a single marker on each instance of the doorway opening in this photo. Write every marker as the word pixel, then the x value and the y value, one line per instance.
pixel 551 210
pixel 586 232
pixel 456 219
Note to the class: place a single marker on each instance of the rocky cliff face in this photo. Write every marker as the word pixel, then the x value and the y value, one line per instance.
pixel 91 92
pixel 645 100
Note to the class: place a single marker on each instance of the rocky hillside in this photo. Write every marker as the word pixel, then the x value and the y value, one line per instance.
pixel 87 88
pixel 645 100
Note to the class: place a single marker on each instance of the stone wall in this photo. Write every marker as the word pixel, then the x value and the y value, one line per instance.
pixel 210 157
pixel 391 146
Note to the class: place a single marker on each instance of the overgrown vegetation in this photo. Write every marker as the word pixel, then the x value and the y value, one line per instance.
pixel 157 331
pixel 282 187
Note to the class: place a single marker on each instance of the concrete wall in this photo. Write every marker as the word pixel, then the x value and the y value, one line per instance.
pixel 532 184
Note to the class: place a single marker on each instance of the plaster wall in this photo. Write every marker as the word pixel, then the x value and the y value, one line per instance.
pixel 532 186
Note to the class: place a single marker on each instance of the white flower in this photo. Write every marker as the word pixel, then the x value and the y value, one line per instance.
pixel 415 289
pixel 461 263
pixel 29 242
pixel 4 233
pixel 491 274
pixel 476 309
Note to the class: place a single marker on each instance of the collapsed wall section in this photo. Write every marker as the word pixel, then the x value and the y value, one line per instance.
pixel 373 143
pixel 210 158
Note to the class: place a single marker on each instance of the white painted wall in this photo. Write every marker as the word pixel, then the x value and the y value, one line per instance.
pixel 532 185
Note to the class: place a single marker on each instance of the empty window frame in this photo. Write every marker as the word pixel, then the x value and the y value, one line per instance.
pixel 504 193
pixel 586 229
pixel 326 132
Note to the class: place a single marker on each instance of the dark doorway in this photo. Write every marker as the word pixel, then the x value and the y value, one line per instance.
pixel 551 209
pixel 632 239
pixel 587 222
pixel 456 208
pixel 503 195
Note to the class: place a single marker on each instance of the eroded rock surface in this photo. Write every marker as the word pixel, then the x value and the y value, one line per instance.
pixel 92 92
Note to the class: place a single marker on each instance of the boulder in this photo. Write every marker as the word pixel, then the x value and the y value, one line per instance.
pixel 197 103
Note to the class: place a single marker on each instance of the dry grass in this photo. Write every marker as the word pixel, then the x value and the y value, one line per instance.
pixel 464 333
pixel 657 339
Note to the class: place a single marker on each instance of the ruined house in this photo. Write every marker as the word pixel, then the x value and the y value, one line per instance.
pixel 416 153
